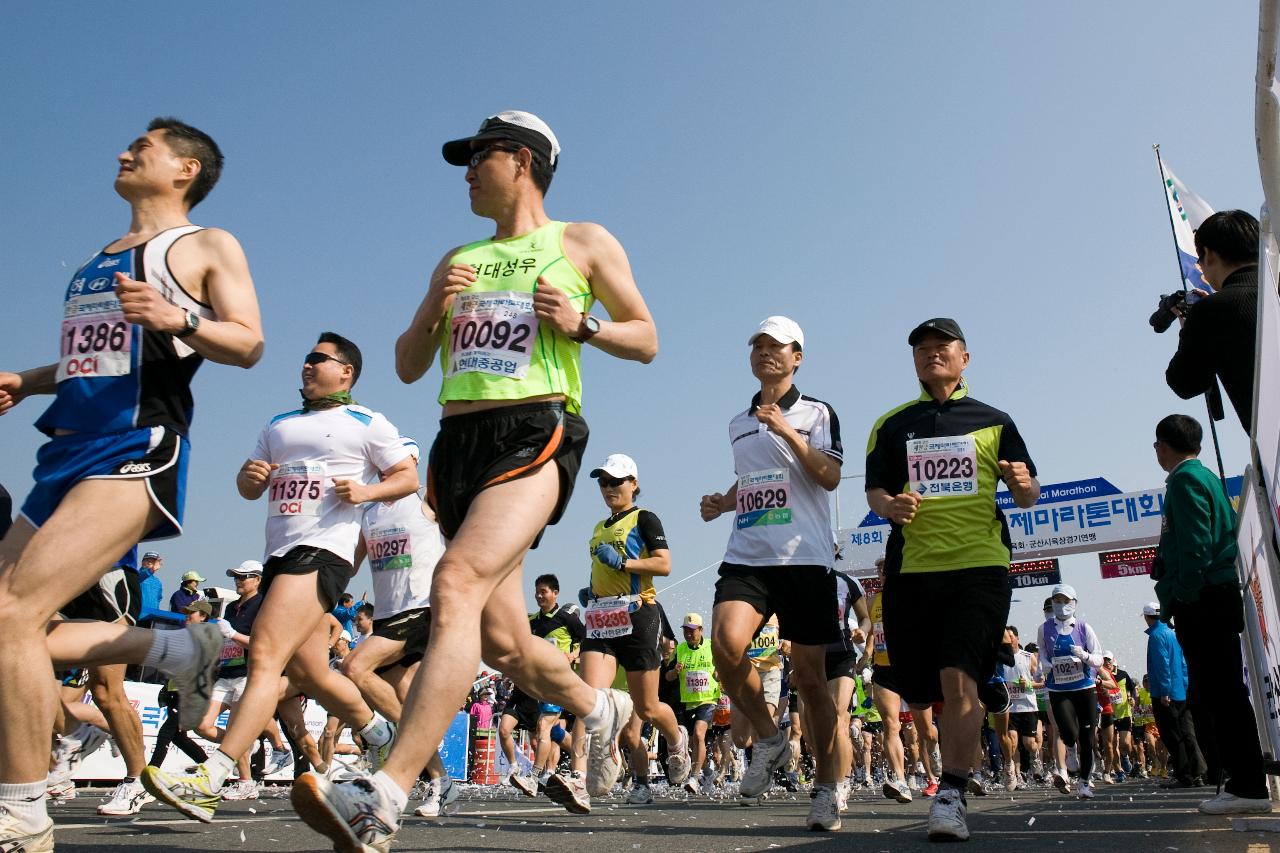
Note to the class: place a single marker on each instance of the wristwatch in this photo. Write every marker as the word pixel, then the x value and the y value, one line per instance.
pixel 192 323
pixel 587 328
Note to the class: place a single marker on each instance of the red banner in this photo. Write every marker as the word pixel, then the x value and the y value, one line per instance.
pixel 1128 563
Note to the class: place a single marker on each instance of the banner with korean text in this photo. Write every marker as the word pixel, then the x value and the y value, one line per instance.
pixel 1257 560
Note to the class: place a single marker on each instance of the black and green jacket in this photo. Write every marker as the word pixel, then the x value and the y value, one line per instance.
pixel 1197 537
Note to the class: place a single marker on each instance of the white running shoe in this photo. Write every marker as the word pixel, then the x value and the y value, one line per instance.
pixel 569 790
pixel 1011 780
pixel 1226 803
pixel 693 786
pixel 355 815
pixel 60 790
pixel 449 793
pixel 604 759
pixel 766 757
pixel 1084 790
pixel 245 789
pixel 1073 760
pixel 639 795
pixel 526 785
pixel 20 839
pixel 128 798
pixel 430 802
pixel 679 762
pixel 75 748
pixel 376 756
pixel 280 759
pixel 1060 782
pixel 824 816
pixel 842 795
pixel 974 786
pixel 195 683
pixel 947 816
pixel 896 789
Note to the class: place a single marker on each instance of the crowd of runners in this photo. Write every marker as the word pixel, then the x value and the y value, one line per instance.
pixel 793 677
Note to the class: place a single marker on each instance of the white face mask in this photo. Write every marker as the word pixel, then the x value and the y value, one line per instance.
pixel 1064 611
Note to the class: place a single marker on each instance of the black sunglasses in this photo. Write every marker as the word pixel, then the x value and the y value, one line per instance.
pixel 314 358
pixel 610 482
pixel 478 157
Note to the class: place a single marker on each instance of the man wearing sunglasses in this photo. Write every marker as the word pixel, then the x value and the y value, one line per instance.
pixel 316 465
pixel 508 317
pixel 139 318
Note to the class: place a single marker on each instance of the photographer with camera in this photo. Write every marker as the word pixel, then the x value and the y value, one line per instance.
pixel 1218 331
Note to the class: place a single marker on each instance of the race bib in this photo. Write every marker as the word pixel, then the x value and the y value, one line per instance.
pixel 696 681
pixel 492 332
pixel 296 489
pixel 764 497
pixel 389 548
pixel 231 652
pixel 1016 690
pixel 877 637
pixel 1067 669
pixel 943 467
pixel 96 340
pixel 606 618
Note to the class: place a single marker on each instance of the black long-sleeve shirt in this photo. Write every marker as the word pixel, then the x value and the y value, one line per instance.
pixel 1218 338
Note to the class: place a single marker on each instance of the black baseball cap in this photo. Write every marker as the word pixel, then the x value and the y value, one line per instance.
pixel 514 125
pixel 942 325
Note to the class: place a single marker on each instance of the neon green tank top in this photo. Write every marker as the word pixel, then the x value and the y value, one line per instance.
pixel 698 685
pixel 493 346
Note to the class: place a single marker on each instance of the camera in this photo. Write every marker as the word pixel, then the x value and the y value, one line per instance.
pixel 1171 305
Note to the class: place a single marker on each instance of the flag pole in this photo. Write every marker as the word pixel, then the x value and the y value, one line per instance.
pixel 1212 391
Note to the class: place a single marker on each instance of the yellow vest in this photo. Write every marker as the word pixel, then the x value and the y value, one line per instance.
pixel 624 537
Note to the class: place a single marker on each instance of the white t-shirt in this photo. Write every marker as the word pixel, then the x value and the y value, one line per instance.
pixel 782 516
pixel 404 546
pixel 1021 699
pixel 313 449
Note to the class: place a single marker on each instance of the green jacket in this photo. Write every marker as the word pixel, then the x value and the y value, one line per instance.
pixel 1197 537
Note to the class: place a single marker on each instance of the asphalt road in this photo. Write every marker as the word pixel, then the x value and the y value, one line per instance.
pixel 1129 817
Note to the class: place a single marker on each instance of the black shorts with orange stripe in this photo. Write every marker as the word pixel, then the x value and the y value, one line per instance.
pixel 476 450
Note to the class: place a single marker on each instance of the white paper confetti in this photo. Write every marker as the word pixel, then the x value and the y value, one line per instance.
pixel 242 836
pixel 1031 822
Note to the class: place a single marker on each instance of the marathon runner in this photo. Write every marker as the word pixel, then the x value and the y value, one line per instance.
pixel 843 676
pixel 403 543
pixel 561 626
pixel 1023 714
pixel 508 316
pixel 933 465
pixel 787 456
pixel 765 654
pixel 1070 654
pixel 140 317
pixel 622 622
pixel 317 465
pixel 695 672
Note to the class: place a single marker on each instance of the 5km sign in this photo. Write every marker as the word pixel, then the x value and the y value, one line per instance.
pixel 1129 563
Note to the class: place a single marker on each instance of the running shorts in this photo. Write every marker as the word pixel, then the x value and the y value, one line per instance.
pixel 157 455
pixel 332 572
pixel 117 595
pixel 476 450
pixel 938 620
pixel 639 650
pixel 799 595
pixel 413 628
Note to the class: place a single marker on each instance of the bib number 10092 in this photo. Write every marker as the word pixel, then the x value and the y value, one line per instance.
pixel 492 332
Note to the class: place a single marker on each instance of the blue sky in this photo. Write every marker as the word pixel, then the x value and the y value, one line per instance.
pixel 859 167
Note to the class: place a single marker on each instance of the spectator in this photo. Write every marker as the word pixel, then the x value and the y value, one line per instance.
pixel 152 587
pixel 188 592
pixel 362 626
pixel 345 611
pixel 1167 676
pixel 1198 587
pixel 1217 336
pixel 482 711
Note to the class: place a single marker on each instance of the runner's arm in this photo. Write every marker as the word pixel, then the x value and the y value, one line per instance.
pixel 397 482
pixel 417 346
pixel 15 387
pixel 630 332
pixel 236 337
pixel 658 562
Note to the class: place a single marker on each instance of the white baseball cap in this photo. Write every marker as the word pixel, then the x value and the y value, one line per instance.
pixel 1151 608
pixel 346 635
pixel 248 567
pixel 1109 655
pixel 513 125
pixel 618 465
pixel 784 330
pixel 1064 589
